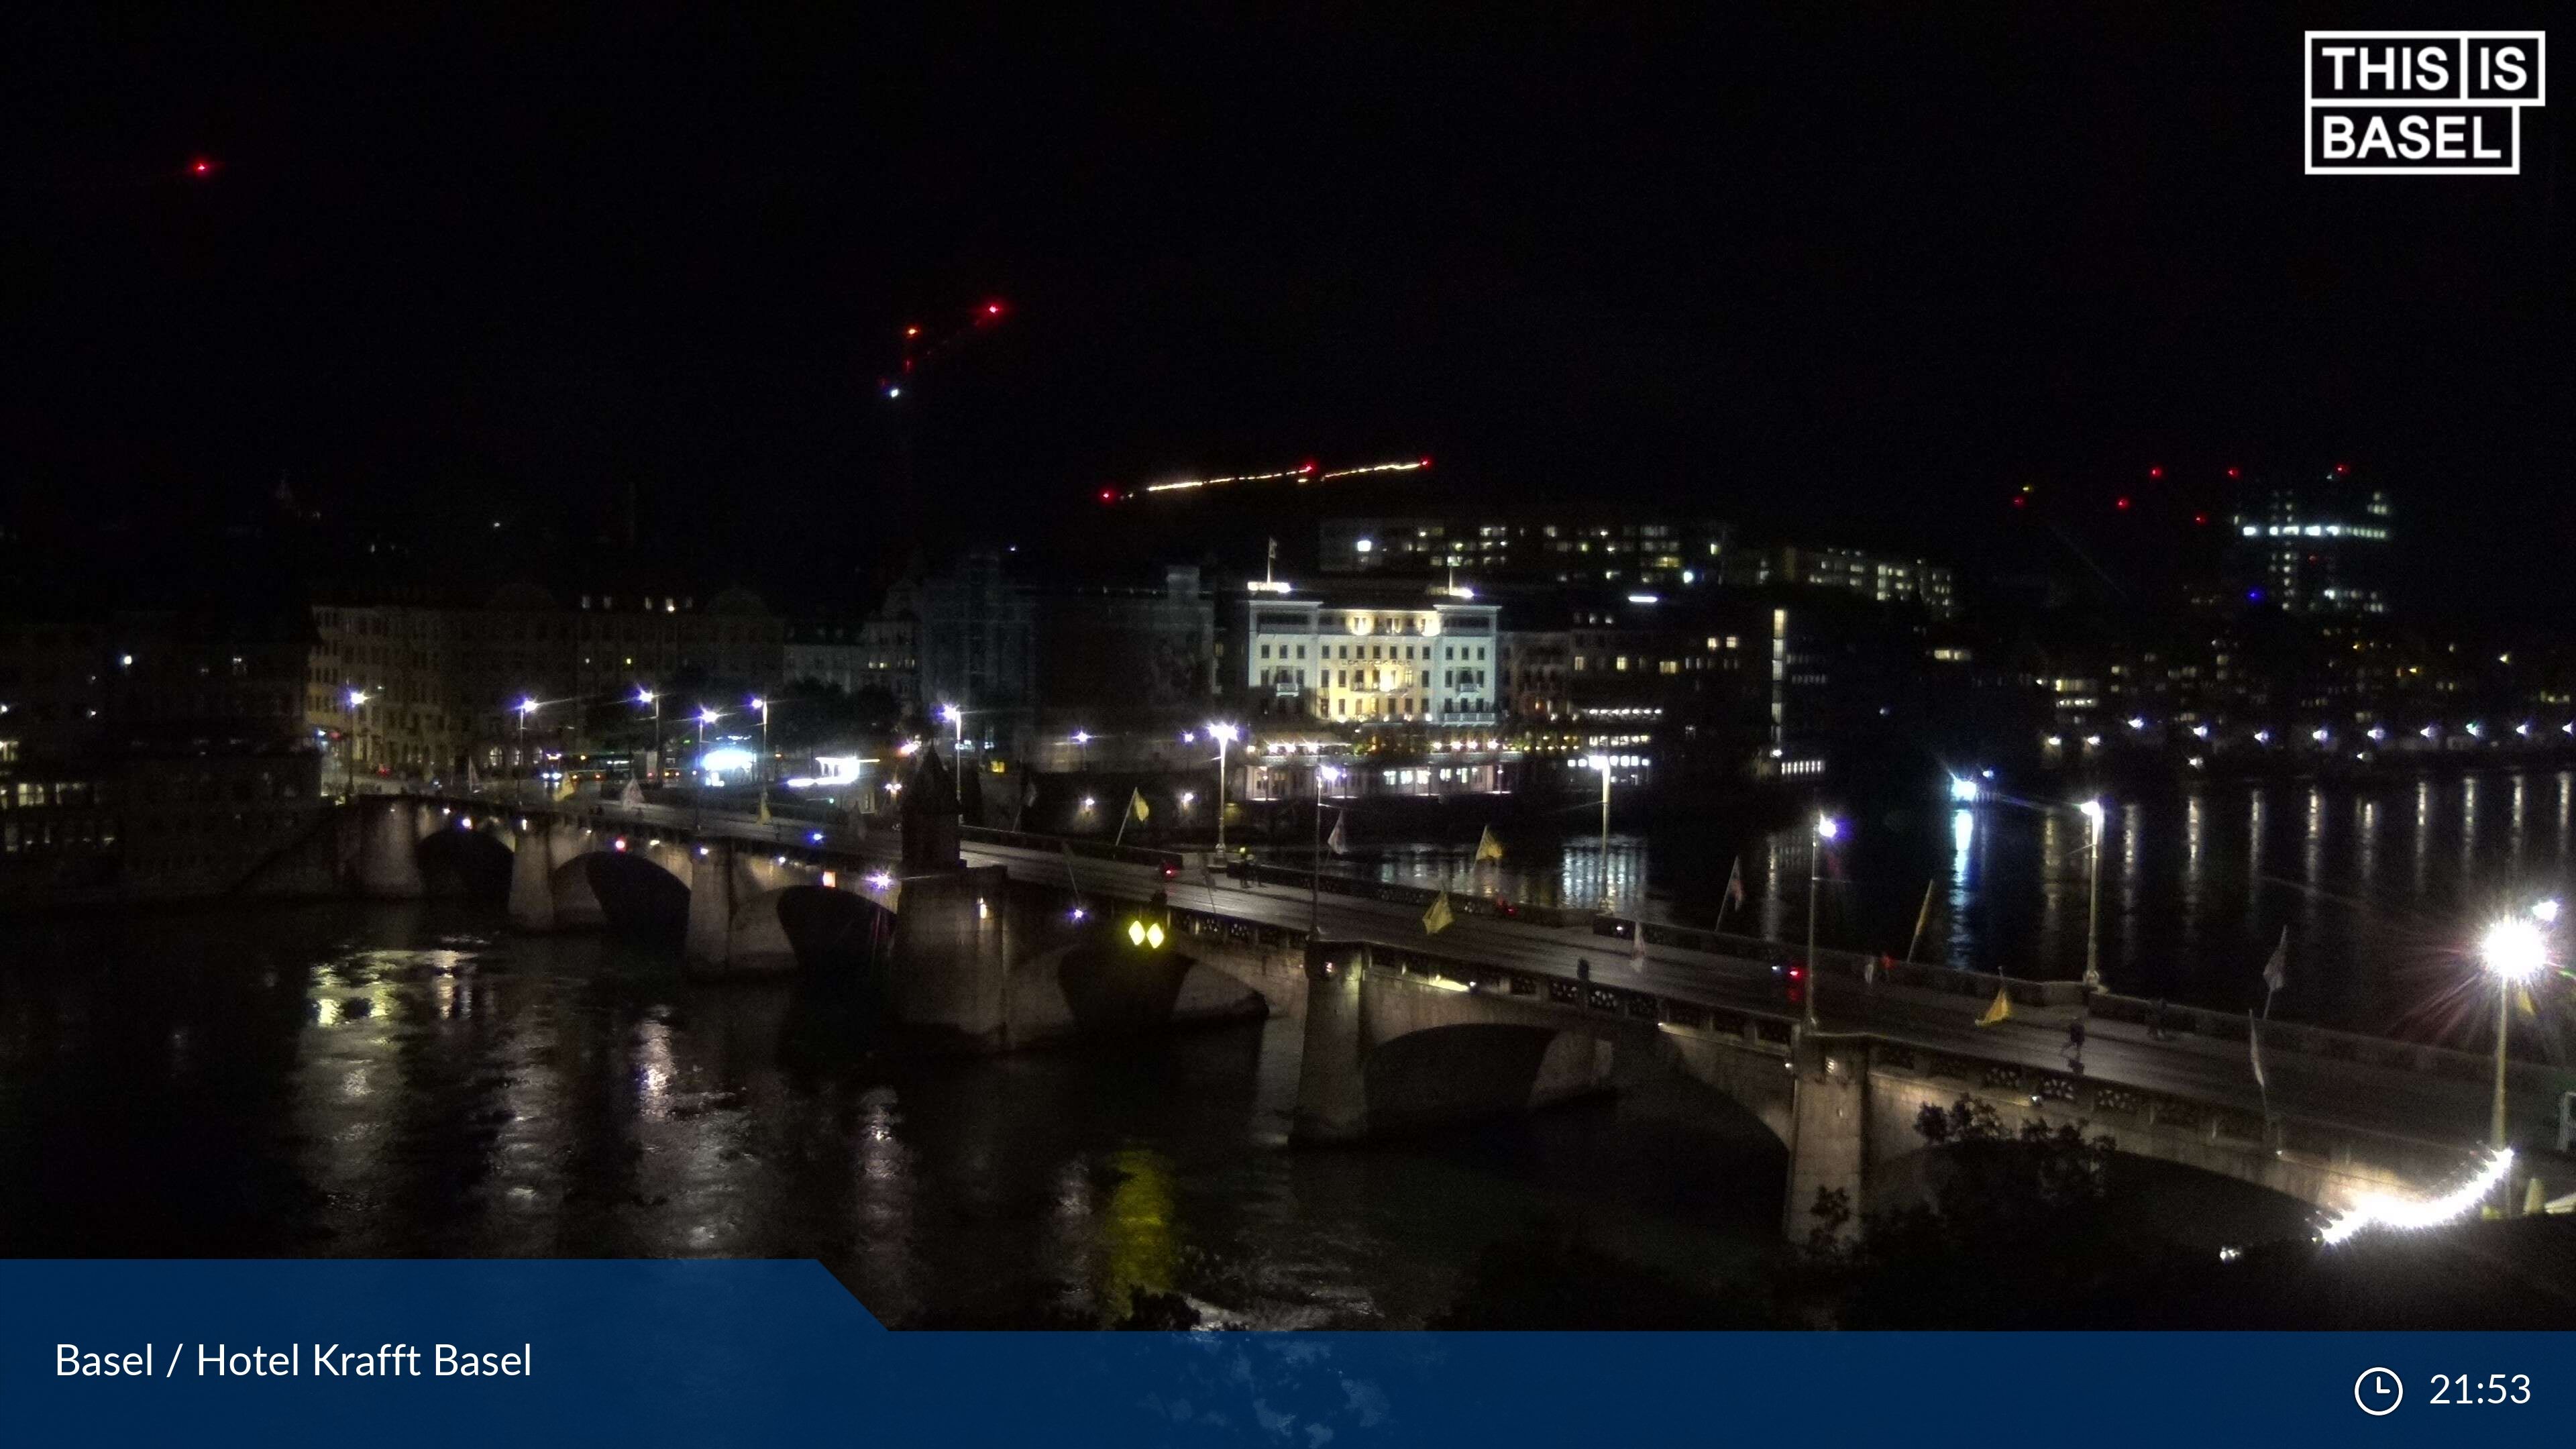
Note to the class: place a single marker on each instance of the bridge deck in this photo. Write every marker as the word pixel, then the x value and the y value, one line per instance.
pixel 2431 1107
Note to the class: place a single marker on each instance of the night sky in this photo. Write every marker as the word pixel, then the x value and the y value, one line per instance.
pixel 1851 272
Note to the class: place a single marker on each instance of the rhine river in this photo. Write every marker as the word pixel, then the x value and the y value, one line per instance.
pixel 2381 887
pixel 369 1080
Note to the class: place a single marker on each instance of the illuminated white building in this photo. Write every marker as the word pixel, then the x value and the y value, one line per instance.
pixel 1426 660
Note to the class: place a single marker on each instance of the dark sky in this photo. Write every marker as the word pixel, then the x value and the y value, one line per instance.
pixel 1854 269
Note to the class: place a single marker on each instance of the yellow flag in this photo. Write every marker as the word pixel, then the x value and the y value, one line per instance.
pixel 569 788
pixel 764 807
pixel 1136 805
pixel 1489 848
pixel 2522 998
pixel 2001 1010
pixel 1437 919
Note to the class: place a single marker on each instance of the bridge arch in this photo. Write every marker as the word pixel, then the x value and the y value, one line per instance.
pixel 465 862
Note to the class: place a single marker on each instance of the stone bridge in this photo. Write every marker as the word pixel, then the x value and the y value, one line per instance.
pixel 964 953
pixel 996 957
pixel 1396 1039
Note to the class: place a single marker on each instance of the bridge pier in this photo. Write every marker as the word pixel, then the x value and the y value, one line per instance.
pixel 532 890
pixel 1828 1132
pixel 709 944
pixel 951 959
pixel 1392 1049
pixel 389 850
pixel 1332 1091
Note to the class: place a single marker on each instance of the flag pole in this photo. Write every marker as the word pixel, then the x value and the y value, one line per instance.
pixel 1922 918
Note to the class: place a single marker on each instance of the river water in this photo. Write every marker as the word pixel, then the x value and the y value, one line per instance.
pixel 361 1080
pixel 2380 888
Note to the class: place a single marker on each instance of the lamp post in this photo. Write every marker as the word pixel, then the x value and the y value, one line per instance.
pixel 957 747
pixel 2514 951
pixel 1225 735
pixel 526 707
pixel 698 787
pixel 1602 764
pixel 647 696
pixel 1315 862
pixel 1827 830
pixel 2093 905
pixel 1082 750
pixel 761 703
pixel 349 746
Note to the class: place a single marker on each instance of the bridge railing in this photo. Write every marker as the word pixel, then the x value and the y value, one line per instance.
pixel 1060 844
pixel 1465 904
pixel 2326 1042
pixel 2107 1106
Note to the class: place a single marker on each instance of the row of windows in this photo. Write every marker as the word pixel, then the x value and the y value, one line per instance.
pixel 1381 651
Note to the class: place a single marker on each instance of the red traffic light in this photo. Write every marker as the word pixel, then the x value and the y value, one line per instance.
pixel 201 166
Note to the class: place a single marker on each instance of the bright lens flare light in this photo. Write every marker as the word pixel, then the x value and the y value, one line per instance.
pixel 2381 1211
pixel 2514 949
pixel 1828 828
pixel 1963 790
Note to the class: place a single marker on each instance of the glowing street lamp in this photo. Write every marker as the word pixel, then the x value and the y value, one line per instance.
pixel 707 715
pixel 956 720
pixel 527 708
pixel 2093 902
pixel 646 696
pixel 1963 790
pixel 1602 764
pixel 1828 830
pixel 349 747
pixel 761 703
pixel 1224 734
pixel 1324 775
pixel 2514 950
pixel 1082 749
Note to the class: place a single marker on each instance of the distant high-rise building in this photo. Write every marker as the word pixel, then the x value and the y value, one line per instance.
pixel 1885 579
pixel 2317 548
pixel 1562 551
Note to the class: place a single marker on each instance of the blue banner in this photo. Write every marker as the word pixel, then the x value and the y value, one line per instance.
pixel 713 1353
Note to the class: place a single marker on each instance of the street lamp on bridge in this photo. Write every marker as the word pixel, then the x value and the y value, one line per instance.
pixel 2514 950
pixel 2093 904
pixel 526 708
pixel 1828 830
pixel 647 696
pixel 349 745
pixel 1225 735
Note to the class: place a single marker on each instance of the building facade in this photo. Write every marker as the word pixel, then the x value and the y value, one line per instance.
pixel 1358 659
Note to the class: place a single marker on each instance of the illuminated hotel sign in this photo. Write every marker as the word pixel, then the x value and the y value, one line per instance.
pixel 2421 102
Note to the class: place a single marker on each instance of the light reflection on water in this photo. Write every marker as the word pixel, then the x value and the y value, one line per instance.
pixel 2377 884
pixel 373 1081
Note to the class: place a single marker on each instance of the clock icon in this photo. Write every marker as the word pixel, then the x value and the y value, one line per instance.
pixel 2378 1392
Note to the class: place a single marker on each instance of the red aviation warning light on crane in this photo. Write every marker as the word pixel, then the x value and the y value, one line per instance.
pixel 1302 474
pixel 920 351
